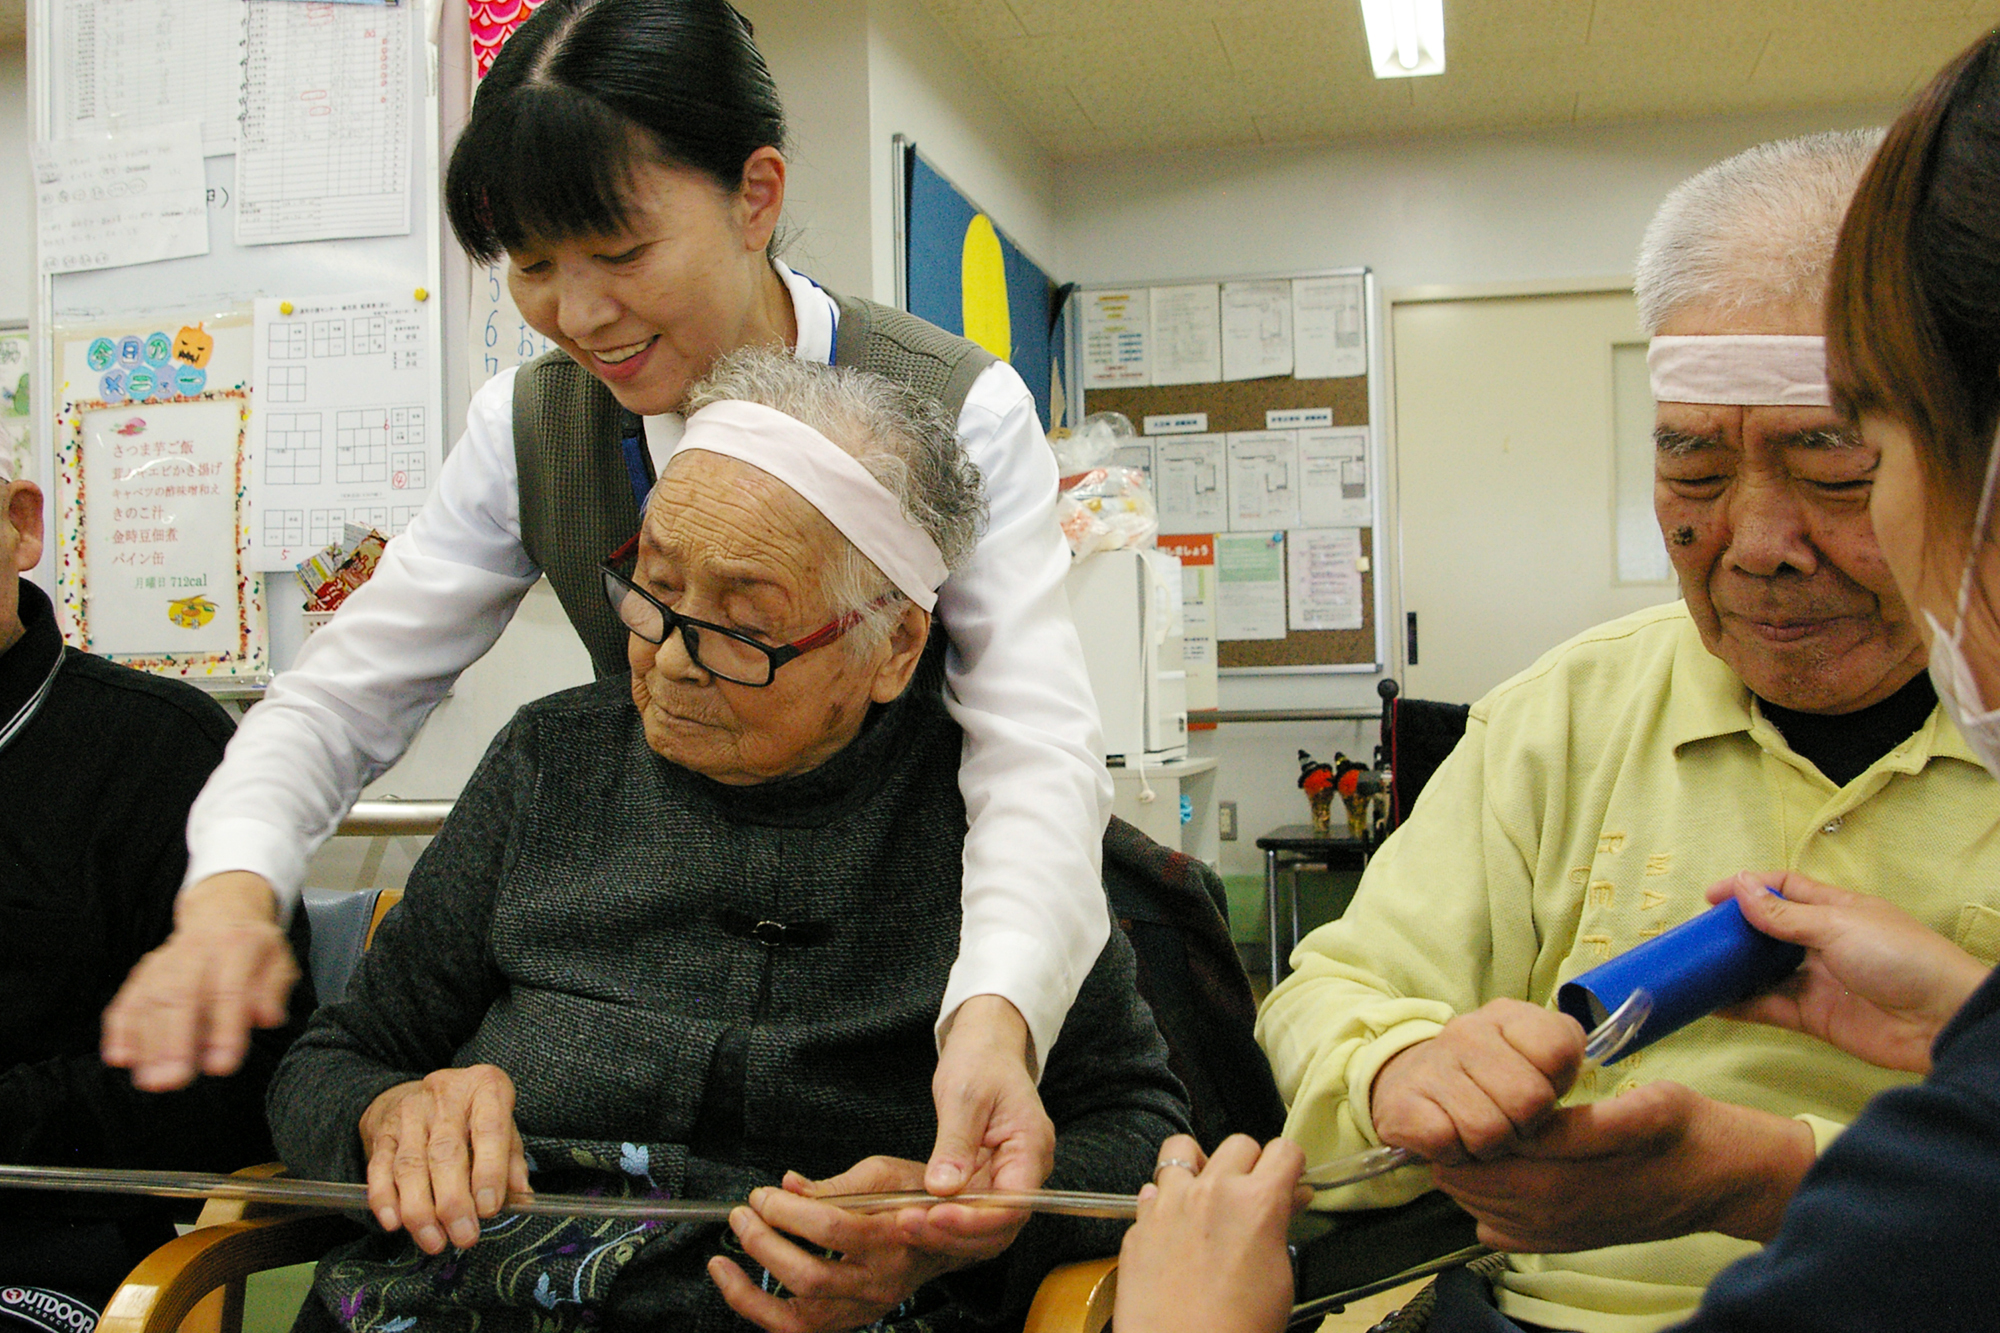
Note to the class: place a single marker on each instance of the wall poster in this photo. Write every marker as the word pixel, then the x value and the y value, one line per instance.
pixel 149 538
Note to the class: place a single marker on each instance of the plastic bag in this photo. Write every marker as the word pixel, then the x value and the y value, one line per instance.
pixel 1093 443
pixel 1103 507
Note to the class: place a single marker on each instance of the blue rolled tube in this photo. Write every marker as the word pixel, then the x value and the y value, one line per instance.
pixel 1699 966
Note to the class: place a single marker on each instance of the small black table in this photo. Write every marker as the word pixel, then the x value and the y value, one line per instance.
pixel 1290 848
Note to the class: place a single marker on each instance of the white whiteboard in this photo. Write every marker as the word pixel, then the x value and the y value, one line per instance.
pixel 230 275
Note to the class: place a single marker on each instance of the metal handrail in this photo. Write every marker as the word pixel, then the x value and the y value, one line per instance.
pixel 383 819
pixel 1224 715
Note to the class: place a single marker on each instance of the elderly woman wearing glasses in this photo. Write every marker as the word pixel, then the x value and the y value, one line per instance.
pixel 684 936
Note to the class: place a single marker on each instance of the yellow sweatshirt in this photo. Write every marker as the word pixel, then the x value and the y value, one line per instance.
pixel 1594 798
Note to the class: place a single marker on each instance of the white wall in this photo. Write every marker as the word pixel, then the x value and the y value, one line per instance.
pixel 922 87
pixel 818 51
pixel 1522 208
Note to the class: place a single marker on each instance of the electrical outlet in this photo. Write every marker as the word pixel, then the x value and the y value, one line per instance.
pixel 1225 820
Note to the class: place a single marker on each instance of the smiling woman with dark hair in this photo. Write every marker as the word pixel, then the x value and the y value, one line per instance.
pixel 625 158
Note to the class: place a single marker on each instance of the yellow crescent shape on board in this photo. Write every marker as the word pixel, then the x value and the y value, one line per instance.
pixel 983 282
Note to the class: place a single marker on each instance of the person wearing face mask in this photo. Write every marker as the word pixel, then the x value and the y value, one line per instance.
pixel 625 157
pixel 1892 1228
pixel 1778 716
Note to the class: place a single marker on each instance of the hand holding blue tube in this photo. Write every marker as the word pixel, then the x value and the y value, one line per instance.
pixel 1702 965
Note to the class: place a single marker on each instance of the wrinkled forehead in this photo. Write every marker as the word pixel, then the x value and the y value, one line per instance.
pixel 727 515
pixel 1680 429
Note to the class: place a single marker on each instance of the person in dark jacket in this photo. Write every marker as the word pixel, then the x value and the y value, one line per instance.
pixel 98 766
pixel 684 934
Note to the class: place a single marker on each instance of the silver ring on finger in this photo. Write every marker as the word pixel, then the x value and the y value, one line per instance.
pixel 1165 1162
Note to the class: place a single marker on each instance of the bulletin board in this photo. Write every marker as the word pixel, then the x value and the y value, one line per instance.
pixel 965 274
pixel 286 154
pixel 1308 423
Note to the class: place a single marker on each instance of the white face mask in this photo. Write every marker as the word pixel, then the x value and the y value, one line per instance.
pixel 1957 688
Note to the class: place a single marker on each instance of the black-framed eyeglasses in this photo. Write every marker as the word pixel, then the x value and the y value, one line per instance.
pixel 723 653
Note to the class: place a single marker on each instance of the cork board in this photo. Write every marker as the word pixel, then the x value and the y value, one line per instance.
pixel 1240 405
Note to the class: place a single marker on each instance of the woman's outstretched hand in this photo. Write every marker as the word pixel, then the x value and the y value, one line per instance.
pixel 442 1153
pixel 877 1261
pixel 189 1005
pixel 1876 983
pixel 992 1130
pixel 1207 1254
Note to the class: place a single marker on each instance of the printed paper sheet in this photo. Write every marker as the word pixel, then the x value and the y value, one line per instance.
pixel 1190 483
pixel 161 526
pixel 1325 578
pixel 16 447
pixel 1333 472
pixel 326 123
pixel 1256 330
pixel 1327 326
pixel 347 426
pixel 1187 334
pixel 149 425
pixel 1263 480
pixel 1197 557
pixel 108 201
pixel 134 68
pixel 493 22
pixel 1250 585
pixel 1115 336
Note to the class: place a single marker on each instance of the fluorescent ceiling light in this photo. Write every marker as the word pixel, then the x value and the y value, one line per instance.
pixel 1405 37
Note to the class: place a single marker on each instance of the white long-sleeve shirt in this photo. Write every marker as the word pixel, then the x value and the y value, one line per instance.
pixel 1037 793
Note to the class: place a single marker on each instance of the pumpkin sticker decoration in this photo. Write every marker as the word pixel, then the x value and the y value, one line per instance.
pixel 191 612
pixel 193 346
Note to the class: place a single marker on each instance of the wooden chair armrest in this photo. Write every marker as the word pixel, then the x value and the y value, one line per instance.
pixel 217 1211
pixel 1075 1298
pixel 157 1295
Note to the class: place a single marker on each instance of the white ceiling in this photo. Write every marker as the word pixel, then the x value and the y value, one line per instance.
pixel 1095 77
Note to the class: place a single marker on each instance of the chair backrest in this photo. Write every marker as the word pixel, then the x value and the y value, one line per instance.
pixel 1173 909
pixel 343 922
pixel 1417 734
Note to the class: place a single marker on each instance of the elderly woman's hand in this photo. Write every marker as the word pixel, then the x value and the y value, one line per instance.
pixel 443 1153
pixel 880 1261
pixel 1876 983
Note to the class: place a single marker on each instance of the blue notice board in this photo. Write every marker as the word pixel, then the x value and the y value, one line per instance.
pixel 962 269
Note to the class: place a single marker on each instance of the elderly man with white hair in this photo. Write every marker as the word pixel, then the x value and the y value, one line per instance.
pixel 1778 717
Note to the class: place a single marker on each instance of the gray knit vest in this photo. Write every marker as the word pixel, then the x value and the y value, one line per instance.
pixel 577 505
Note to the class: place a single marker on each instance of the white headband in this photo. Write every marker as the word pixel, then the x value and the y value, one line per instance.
pixel 829 479
pixel 1745 370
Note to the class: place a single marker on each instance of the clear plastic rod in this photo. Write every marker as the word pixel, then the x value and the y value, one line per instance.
pixel 348 1197
pixel 1602 1044
pixel 1609 1037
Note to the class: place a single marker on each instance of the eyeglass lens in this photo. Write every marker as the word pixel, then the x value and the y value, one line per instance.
pixel 713 650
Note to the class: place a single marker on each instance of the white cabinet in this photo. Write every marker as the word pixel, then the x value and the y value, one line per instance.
pixel 1160 818
pixel 1127 606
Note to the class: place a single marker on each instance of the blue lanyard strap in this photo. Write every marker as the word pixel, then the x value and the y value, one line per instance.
pixel 634 444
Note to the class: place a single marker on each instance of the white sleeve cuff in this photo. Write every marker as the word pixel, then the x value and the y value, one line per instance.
pixel 262 849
